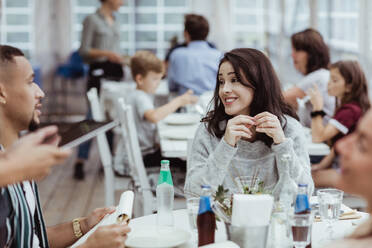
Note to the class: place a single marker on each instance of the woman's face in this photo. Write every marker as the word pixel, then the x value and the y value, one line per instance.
pixel 355 152
pixel 115 4
pixel 235 96
pixel 299 60
pixel 336 84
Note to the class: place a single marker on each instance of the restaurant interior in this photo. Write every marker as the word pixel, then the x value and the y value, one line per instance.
pixel 227 123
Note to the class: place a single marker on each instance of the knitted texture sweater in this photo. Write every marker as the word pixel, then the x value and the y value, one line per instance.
pixel 213 162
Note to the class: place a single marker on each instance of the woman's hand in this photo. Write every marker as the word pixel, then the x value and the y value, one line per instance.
pixel 270 125
pixel 114 57
pixel 237 128
pixel 316 98
pixel 93 218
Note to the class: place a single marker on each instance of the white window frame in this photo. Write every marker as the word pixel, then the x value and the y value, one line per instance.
pixel 29 28
pixel 160 45
pixel 257 29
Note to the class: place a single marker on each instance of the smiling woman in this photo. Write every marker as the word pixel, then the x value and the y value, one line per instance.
pixel 250 129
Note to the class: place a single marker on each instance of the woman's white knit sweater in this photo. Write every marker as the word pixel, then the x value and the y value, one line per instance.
pixel 213 162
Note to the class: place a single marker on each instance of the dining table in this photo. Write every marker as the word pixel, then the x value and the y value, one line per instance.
pixel 341 228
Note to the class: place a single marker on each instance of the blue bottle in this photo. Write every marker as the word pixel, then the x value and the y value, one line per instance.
pixel 302 205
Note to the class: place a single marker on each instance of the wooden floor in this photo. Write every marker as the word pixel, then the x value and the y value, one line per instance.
pixel 64 198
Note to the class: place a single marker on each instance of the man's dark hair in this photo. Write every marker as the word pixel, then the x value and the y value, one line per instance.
pixel 7 54
pixel 196 26
pixel 311 41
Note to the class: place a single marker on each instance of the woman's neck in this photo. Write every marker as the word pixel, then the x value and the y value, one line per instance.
pixel 106 11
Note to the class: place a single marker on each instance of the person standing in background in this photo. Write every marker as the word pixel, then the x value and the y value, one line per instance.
pixel 100 48
pixel 311 58
pixel 195 66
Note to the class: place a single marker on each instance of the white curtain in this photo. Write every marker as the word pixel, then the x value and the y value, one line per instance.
pixel 52 35
pixel 218 14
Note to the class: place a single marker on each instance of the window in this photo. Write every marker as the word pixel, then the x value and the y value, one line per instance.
pixel 297 16
pixel 144 24
pixel 338 22
pixel 247 23
pixel 17 24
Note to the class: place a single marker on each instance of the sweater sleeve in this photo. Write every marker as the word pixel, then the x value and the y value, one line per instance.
pixel 208 164
pixel 299 168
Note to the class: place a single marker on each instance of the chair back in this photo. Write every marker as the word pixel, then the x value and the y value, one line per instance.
pixel 103 148
pixel 137 168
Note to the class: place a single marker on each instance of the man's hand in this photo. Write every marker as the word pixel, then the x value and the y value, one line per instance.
pixel 94 217
pixel 112 236
pixel 31 158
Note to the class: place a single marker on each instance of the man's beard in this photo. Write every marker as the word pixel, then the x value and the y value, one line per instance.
pixel 33 126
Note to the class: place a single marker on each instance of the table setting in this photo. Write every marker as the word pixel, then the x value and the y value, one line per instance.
pixel 255 220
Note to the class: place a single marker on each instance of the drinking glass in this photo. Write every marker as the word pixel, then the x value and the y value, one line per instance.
pixel 329 207
pixel 301 229
pixel 192 205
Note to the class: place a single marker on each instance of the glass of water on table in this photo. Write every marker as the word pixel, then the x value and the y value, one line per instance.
pixel 192 205
pixel 329 208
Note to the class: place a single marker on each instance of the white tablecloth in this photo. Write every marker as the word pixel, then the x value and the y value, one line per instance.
pixel 341 228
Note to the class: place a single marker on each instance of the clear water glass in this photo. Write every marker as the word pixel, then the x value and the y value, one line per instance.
pixel 192 205
pixel 329 207
pixel 301 225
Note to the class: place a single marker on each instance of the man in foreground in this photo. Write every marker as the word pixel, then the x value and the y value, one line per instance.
pixel 21 221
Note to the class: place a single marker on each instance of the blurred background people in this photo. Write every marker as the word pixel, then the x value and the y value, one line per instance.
pixel 311 58
pixel 193 67
pixel 100 48
pixel 349 85
pixel 147 71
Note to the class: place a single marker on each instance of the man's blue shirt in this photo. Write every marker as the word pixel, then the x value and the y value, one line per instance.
pixel 193 67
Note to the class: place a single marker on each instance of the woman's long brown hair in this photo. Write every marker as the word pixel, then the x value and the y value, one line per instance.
pixel 353 75
pixel 260 75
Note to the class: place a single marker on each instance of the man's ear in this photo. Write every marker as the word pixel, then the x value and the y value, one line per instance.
pixel 2 93
pixel 139 79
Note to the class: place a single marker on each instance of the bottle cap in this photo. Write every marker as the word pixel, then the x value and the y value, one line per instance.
pixel 164 161
pixel 204 205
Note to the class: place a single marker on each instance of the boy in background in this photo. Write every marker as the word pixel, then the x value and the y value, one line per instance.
pixel 147 71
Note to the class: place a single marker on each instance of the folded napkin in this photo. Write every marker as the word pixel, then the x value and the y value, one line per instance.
pixel 251 210
pixel 124 208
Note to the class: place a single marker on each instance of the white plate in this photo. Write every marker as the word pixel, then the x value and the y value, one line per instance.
pixel 177 134
pixel 156 237
pixel 182 119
